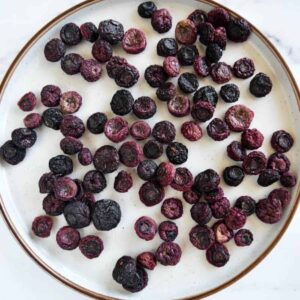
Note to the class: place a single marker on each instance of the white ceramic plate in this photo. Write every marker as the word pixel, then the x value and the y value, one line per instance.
pixel 21 201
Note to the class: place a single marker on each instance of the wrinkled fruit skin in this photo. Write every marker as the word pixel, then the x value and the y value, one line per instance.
pixel 72 126
pixel 54 50
pixel 254 163
pixel 288 180
pixel 111 31
pixel 220 72
pixel 147 260
pixel 168 231
pixel 239 117
pixel 202 237
pixel 70 102
pixel 116 129
pixel 123 182
pixel 167 91
pixel 85 157
pixel 269 210
pixel 121 102
pixel 89 31
pixel 243 237
pixel 187 54
pixel 61 165
pixel 151 193
pixel 201 213
pixel 77 214
pixel 201 66
pixel 238 30
pixel 188 82
pixel 223 234
pixel 91 246
pixel 220 208
pixel 214 195
pixel 206 94
pixel 134 41
pixel 260 85
pixel 53 206
pixel 144 107
pixel 233 175
pixel 146 9
pixel 140 130
pixel 279 162
pixel 164 132
pixel 145 228
pixel 155 75
pixel 131 153
pixel 218 130
pixel 171 66
pixel 124 269
pixel 71 63
pixel 191 131
pixel 146 169
pixel 153 149
pixel 246 204
pixel 236 218
pixel 179 106
pixel 94 181
pixel 106 159
pixel 52 118
pixel 230 92
pixel 64 188
pixel 186 32
pixel 218 17
pixel 161 20
pixel 138 282
pixel 50 95
pixel 244 68
pixel 183 180
pixel 27 102
pixel 12 154
pixel 23 137
pixel 207 181
pixel 281 194
pixel 236 151
pixel 282 141
pixel 217 255
pixel 167 47
pixel 198 17
pixel 41 226
pixel 268 177
pixel 68 238
pixel 102 51
pixel 177 153
pixel 172 208
pixel 165 173
pixel 70 34
pixel 90 70
pixel 168 254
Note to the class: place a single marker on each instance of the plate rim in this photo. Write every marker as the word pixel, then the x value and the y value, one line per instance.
pixel 55 273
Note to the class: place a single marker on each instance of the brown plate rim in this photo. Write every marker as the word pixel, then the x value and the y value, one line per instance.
pixel 57 275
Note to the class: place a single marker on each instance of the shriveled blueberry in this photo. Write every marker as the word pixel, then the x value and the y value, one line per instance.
pixel 89 31
pixel 166 91
pixel 183 180
pixel 243 237
pixel 206 33
pixel 167 47
pixel 70 102
pixel 279 162
pixel 201 213
pixel 91 246
pixel 223 234
pixel 96 122
pixel 235 219
pixel 218 130
pixel 281 194
pixel 126 75
pixel 268 177
pixel 191 131
pixel 269 210
pixel 68 238
pixel 217 255
pixel 238 30
pixel 90 70
pixel 153 149
pixel 288 179
pixel 70 34
pixel 161 20
pixel 54 50
pixel 80 190
pixel 116 129
pixel 172 208
pixel 151 193
pixel 206 94
pixel 191 196
pixel 207 181
pixel 123 182
pixel 70 145
pixel 165 173
pixel 220 72
pixel 145 228
pixel 23 137
pixel 46 182
pixel 168 254
pixel 252 139
pixel 239 117
pixel 164 132
pixel 254 163
pixel 220 37
pixel 134 41
pixel 202 111
pixel 113 65
pixel 52 118
pixel 218 16
pixel 64 188
pixel 213 52
pixel 155 75
pixel 147 260
pixel 61 165
pixel 187 54
pixel 198 17
pixel 220 208
pixel 188 82
pixel 233 175
pixel 27 102
pixel 171 66
pixel 201 66
pixel 138 282
pixel 94 181
pixel 214 195
pixel 244 68
pixel 146 9
pixel 33 120
pixel 111 31
pixel 71 63
pixel 124 269
pixel 260 85
pixel 179 106
pixel 140 130
pixel 53 206
pixel 50 95
pixel 186 32
pixel 130 153
pixel 282 141
pixel 144 107
pixel 85 156
pixel 41 226
pixel 72 126
pixel 177 153
pixel 246 204
pixel 230 92
pixel 146 169
pixel 236 151
pixel 168 231
pixel 202 237
pixel 121 102
pixel 77 214
pixel 102 51
pixel 106 214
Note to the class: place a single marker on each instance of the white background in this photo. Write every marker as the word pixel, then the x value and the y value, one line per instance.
pixel 277 277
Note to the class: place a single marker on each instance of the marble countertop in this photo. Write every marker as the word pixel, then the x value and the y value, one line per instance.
pixel 277 277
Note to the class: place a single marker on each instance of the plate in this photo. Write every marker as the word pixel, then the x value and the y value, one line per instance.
pixel 193 277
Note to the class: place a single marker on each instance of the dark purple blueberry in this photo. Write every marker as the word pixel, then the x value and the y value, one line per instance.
pixel 183 180
pixel 238 30
pixel 111 31
pixel 138 282
pixel 220 208
pixel 243 68
pixel 218 17
pixel 260 85
pixel 54 50
pixel 94 181
pixel 206 94
pixel 202 237
pixel 61 165
pixel 172 208
pixel 179 106
pixel 214 195
pixel 140 130
pixel 124 270
pixel 168 231
pixel 218 130
pixel 166 91
pixel 146 169
pixel 96 122
pixel 233 175
pixel 243 237
pixel 220 37
pixel 68 238
pixel 268 177
pixel 236 151
pixel 201 213
pixel 89 31
pixel 288 179
pixel 207 181
pixel 102 51
pixel 134 41
pixel 91 246
pixel 281 194
pixel 27 102
pixel 64 188
pixel 188 82
pixel 171 66
pixel 222 233
pixel 53 206
pixel 239 117
pixel 201 66
pixel 151 193
pixel 217 255
pixel 89 198
pixel 130 153
pixel 80 190
pixel 252 139
pixel 282 141
pixel 153 149
pixel 191 196
pixel 213 52
pixel 46 182
pixel 198 16
pixel 167 47
pixel 71 63
pixel 220 72
pixel 116 129
pixel 123 182
pixel 72 126
pixel 177 153
pixel 206 33
pixel 161 20
pixel 144 107
pixel 279 162
pixel 191 131
pixel 70 102
pixel 186 32
pixel 246 204
pixel 106 159
pixel 70 145
pixel 202 111
pixel 121 102
pixel 146 9
pixel 230 92
pixel 41 226
pixel 85 156
pixel 90 70
pixel 126 76
pixel 187 54
pixel 50 95
pixel 254 163
pixel 106 214
pixel 70 34
pixel 235 219
pixel 164 132
pixel 269 210
pixel 147 260
pixel 168 254
pixel 33 120
pixel 77 214
pixel 145 228
pixel 155 75
pixel 23 137
pixel 114 64
pixel 165 173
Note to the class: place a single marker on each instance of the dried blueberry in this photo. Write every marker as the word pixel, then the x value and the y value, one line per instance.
pixel 168 231
pixel 246 204
pixel 233 175
pixel 121 102
pixel 124 269
pixel 161 20
pixel 71 63
pixel 202 111
pixel 172 208
pixel 217 255
pixel 140 130
pixel 46 182
pixel 102 51
pixel 146 169
pixel 201 213
pixel 91 246
pixel 218 130
pixel 220 37
pixel 186 32
pixel 243 237
pixel 147 260
pixel 80 190
pixel 201 66
pixel 116 129
pixel 146 9
pixel 279 162
pixel 269 210
pixel 238 30
pixel 166 91
pixel 134 41
pixel 177 153
pixel 165 173
pixel 61 165
pixel 171 66
pixel 106 214
pixel 218 16
pixel 67 238
pixel 138 282
pixel 239 117
pixel 206 33
pixel 89 31
pixel 77 214
pixel 243 68
pixel 220 208
pixel 144 107
pixel 168 254
pixel 236 151
pixel 70 34
pixel 207 181
pixel 126 75
pixel 191 196
pixel 50 95
pixel 96 122
pixel 288 179
pixel 70 145
pixel 282 141
pixel 222 233
pixel 111 31
pixel 198 16
pixel 214 195
pixel 235 219
pixel 72 126
pixel 206 94
pixel 202 237
pixel 70 102
pixel 155 75
pixel 145 228
pixel 260 85
pixel 153 149
pixel 183 180
pixel 167 47
pixel 179 106
pixel 123 182
pixel 151 193
pixel 54 50
pixel 64 188
pixel 41 226
pixel 230 92
pixel 85 156
pixel 23 137
pixel 53 206
pixel 113 65
pixel 164 132
pixel 268 177
pixel 213 52
pixel 130 153
pixel 188 82
pixel 191 131
pixel 254 163
pixel 27 102
pixel 94 181
pixel 281 194
pixel 90 70
pixel 220 72
pixel 187 54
